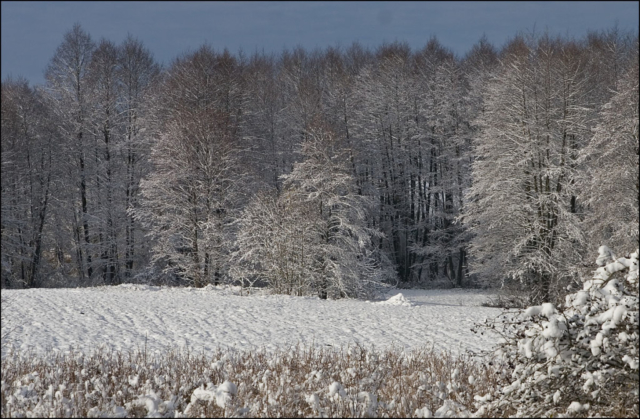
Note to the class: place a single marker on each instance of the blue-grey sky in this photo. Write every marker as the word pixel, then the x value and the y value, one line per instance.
pixel 31 31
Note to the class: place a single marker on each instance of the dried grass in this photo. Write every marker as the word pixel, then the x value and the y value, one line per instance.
pixel 376 383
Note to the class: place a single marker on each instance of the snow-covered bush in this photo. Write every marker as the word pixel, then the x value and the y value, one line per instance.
pixel 580 358
pixel 273 245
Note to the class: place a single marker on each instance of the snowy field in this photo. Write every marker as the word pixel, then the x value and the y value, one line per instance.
pixel 122 317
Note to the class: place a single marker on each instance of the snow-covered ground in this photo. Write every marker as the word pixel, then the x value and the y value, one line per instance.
pixel 123 317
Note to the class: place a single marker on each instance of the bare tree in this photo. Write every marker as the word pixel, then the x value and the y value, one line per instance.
pixel 105 125
pixel 67 93
pixel 28 155
pixel 137 74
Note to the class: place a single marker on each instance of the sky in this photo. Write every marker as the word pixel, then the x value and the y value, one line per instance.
pixel 31 31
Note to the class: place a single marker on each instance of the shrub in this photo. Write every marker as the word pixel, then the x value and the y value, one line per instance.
pixel 576 359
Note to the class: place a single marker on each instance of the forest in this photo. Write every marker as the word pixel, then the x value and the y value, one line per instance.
pixel 329 172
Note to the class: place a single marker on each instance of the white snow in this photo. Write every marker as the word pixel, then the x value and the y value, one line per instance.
pixel 633 363
pixel 546 309
pixel 604 255
pixel 396 300
pixel 132 316
pixel 423 413
pixel 554 328
pixel 580 300
pixel 485 398
pixel 313 400
pixel 336 388
pixel 221 395
pixel 576 407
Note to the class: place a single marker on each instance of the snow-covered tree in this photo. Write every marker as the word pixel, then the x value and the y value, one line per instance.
pixel 188 195
pixel 341 252
pixel 409 133
pixel 526 230
pixel 610 187
pixel 313 237
pixel 444 142
pixel 262 113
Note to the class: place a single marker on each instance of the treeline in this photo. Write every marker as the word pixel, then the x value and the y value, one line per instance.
pixel 323 172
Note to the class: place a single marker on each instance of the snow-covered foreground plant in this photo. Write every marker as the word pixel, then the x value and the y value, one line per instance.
pixel 580 359
pixel 295 382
